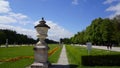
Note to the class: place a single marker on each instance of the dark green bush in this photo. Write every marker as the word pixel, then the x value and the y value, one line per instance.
pixel 101 60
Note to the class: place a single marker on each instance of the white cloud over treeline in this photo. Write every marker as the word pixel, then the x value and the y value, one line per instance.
pixel 113 8
pixel 8 17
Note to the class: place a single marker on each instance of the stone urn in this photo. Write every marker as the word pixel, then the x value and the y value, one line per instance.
pixel 41 48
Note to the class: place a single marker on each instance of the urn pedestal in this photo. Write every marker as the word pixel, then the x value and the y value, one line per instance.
pixel 41 57
pixel 41 48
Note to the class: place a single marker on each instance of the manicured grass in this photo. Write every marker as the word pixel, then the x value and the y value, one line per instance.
pixel 54 58
pixel 75 53
pixel 52 46
pixel 23 63
pixel 11 52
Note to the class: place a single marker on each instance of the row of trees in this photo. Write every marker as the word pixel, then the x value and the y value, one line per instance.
pixel 99 32
pixel 15 38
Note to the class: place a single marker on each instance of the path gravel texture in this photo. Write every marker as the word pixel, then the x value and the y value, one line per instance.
pixel 63 60
pixel 103 47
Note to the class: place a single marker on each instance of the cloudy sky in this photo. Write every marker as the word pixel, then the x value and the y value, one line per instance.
pixel 65 17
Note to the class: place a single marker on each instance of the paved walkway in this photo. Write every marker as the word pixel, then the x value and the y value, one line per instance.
pixel 103 47
pixel 63 61
pixel 63 57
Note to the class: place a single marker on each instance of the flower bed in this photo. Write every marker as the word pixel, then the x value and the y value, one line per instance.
pixel 16 58
pixel 30 57
pixel 53 51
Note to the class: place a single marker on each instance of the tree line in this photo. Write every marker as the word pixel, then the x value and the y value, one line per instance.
pixel 15 38
pixel 101 31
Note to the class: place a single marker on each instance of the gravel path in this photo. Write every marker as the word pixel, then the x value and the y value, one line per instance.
pixel 103 47
pixel 63 61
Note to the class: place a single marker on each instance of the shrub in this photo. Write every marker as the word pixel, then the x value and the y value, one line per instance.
pixel 101 60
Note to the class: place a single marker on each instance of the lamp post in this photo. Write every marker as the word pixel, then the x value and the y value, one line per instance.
pixel 41 48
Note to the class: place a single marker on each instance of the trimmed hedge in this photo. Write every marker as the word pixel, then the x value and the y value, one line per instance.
pixel 101 60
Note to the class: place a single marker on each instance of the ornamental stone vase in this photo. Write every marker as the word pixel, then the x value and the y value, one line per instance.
pixel 41 48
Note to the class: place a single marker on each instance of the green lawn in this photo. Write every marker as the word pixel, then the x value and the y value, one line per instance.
pixel 54 58
pixel 12 52
pixel 74 54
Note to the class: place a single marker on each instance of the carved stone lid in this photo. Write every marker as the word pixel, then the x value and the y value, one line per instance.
pixel 42 24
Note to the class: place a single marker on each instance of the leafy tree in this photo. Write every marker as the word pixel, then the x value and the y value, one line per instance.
pixel 100 32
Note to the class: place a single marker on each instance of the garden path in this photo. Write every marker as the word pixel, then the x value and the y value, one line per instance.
pixel 63 60
pixel 103 47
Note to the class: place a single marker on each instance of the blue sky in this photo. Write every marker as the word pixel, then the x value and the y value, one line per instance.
pixel 66 17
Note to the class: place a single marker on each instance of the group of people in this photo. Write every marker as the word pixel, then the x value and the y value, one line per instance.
pixel 109 46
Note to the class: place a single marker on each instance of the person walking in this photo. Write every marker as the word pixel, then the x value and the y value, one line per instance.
pixel 109 46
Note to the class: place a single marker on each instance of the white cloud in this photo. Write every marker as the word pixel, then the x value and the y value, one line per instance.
pixel 4 6
pixel 14 18
pixel 8 16
pixel 109 1
pixel 115 9
pixel 75 2
pixel 19 15
pixel 56 32
pixel 21 18
pixel 7 20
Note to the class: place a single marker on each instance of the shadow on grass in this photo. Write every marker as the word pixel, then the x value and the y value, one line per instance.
pixel 63 66
pixel 101 60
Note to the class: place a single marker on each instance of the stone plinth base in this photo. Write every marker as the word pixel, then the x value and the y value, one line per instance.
pixel 39 65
